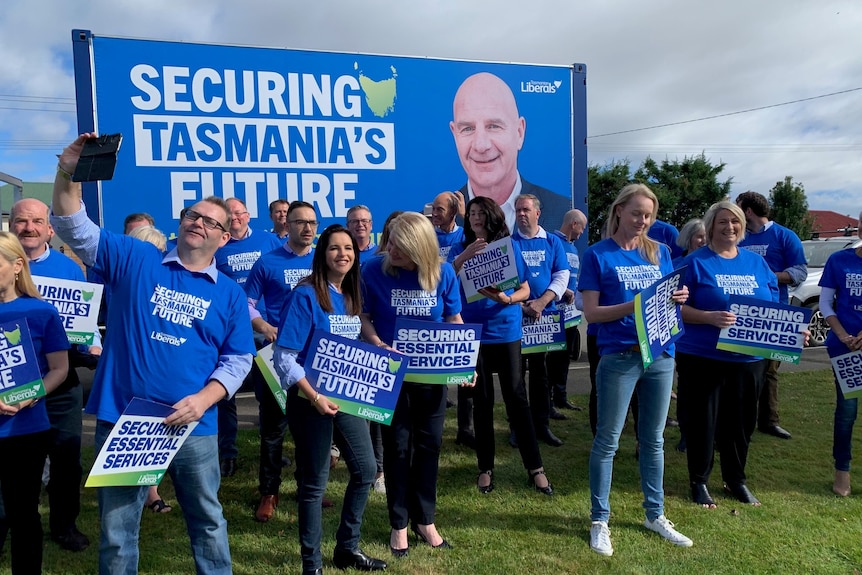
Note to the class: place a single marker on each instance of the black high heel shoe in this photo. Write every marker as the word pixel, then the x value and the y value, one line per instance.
pixel 443 545
pixel 485 489
pixel 398 553
pixel 531 481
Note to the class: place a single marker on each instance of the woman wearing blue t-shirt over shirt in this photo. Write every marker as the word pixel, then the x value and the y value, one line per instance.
pixel 841 304
pixel 500 351
pixel 719 389
pixel 614 270
pixel 24 426
pixel 412 281
pixel 330 295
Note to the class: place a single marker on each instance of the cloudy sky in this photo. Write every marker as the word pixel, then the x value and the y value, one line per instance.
pixel 649 64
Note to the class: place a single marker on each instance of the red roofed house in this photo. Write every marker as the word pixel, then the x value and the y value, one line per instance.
pixel 828 224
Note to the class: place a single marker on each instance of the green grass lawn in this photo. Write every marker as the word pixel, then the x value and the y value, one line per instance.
pixel 801 527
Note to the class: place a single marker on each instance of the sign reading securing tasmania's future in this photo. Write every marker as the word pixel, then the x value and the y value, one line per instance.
pixel 657 317
pixel 438 352
pixel 140 447
pixel 493 267
pixel 20 378
pixel 362 379
pixel 78 304
pixel 546 333
pixel 765 329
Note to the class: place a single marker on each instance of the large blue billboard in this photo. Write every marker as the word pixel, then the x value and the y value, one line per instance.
pixel 332 129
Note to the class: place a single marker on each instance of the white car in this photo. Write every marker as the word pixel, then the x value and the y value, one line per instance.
pixel 808 292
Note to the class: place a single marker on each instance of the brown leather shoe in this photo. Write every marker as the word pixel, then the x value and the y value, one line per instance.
pixel 266 508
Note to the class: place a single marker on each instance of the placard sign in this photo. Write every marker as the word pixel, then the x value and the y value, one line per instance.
pixel 546 333
pixel 657 317
pixel 571 314
pixel 78 304
pixel 765 329
pixel 363 379
pixel 140 447
pixel 438 352
pixel 264 362
pixel 20 378
pixel 492 267
pixel 848 371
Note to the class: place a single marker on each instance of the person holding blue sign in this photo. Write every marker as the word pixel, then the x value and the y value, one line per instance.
pixel 411 280
pixel 24 426
pixel 500 316
pixel 329 297
pixel 718 390
pixel 614 270
pixel 840 304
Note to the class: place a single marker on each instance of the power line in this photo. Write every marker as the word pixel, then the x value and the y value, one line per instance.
pixel 15 97
pixel 727 114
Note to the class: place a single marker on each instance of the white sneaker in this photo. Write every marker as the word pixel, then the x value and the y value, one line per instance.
pixel 663 526
pixel 380 485
pixel 600 538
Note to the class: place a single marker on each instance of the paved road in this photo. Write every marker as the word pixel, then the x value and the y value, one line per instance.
pixel 579 384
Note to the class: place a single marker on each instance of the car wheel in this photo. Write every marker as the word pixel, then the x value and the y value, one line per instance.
pixel 817 326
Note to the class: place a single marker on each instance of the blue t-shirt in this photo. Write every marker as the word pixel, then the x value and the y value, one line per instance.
pixel 780 247
pixel 236 258
pixel 46 331
pixel 843 273
pixel 666 234
pixel 448 239
pixel 543 256
pixel 711 280
pixel 572 257
pixel 387 297
pixel 302 316
pixel 274 275
pixel 501 323
pixel 169 338
pixel 619 275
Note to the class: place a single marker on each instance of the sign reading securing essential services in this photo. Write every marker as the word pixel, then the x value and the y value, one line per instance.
pixel 765 329
pixel 438 352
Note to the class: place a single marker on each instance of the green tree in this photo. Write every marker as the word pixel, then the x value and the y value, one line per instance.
pixel 603 184
pixel 685 189
pixel 789 207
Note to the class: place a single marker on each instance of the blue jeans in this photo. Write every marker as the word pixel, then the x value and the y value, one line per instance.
pixel 619 376
pixel 196 477
pixel 845 417
pixel 313 434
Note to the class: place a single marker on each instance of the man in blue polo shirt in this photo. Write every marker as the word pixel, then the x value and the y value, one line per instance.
pixel 548 278
pixel 235 259
pixel 186 342
pixel 783 252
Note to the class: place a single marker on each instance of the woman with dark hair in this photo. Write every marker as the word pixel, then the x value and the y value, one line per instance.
pixel 328 298
pixel 500 352
pixel 24 426
pixel 411 280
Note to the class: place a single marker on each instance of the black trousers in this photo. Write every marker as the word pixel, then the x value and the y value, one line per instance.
pixel 720 400
pixel 273 425
pixel 504 359
pixel 558 367
pixel 540 398
pixel 64 449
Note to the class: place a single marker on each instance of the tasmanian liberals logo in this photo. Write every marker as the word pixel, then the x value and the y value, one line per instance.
pixel 541 87
pixel 167 338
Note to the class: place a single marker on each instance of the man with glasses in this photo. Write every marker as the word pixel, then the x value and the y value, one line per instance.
pixel 359 223
pixel 185 342
pixel 235 259
pixel 272 277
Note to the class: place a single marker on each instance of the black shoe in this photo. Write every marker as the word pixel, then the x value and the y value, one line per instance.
pixel 742 493
pixel 449 403
pixel 671 422
pixel 468 440
pixel 318 571
pixel 513 441
pixel 548 437
pixel 486 489
pixel 71 540
pixel 566 404
pixel 228 467
pixel 442 545
pixel 531 481
pixel 700 495
pixel 285 461
pixel 554 414
pixel 776 430
pixel 356 559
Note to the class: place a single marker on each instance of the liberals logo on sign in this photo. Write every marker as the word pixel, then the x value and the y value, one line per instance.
pixel 541 87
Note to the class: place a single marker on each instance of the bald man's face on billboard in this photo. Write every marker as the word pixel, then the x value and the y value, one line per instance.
pixel 488 133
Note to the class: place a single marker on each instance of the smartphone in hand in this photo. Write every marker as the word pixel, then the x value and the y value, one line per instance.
pixel 98 158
